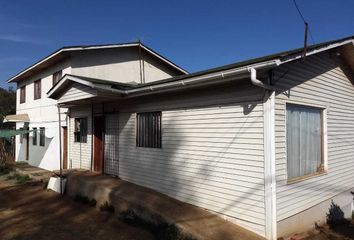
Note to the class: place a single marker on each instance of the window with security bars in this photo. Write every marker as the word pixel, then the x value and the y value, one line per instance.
pixel 148 133
pixel 80 132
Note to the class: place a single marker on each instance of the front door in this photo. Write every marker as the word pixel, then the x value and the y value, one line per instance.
pixel 98 133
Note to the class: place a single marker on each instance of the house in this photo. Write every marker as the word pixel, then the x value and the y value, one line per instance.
pixel 132 63
pixel 266 143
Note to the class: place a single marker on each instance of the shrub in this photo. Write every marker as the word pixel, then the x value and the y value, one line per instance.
pixel 106 207
pixel 85 200
pixel 335 216
pixel 156 225
pixel 20 179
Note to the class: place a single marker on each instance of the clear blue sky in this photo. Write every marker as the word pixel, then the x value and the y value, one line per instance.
pixel 194 34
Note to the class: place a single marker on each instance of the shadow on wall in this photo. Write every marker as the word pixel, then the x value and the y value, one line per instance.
pixel 36 152
pixel 195 164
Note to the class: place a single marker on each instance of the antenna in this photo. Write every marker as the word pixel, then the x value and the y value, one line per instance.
pixel 307 31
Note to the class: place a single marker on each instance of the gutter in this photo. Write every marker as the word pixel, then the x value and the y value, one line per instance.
pixel 199 80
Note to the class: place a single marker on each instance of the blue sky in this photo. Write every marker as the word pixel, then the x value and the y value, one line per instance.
pixel 194 34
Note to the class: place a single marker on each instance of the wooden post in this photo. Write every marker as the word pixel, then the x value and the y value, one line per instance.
pixel 60 155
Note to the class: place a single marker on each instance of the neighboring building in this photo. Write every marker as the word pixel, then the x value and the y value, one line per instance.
pixel 266 143
pixel 131 63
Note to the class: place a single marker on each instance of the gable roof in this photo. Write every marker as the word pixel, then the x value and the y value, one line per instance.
pixel 64 52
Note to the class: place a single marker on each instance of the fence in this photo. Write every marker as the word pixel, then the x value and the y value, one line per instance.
pixel 7 150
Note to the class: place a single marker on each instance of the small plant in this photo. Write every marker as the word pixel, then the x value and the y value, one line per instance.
pixel 85 200
pixel 4 170
pixel 20 179
pixel 335 216
pixel 106 207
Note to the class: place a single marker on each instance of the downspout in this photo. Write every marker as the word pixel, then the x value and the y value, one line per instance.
pixel 255 81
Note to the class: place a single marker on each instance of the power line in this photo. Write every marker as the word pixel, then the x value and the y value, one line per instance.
pixel 304 20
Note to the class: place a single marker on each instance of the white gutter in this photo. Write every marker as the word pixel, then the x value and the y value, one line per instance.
pixel 203 79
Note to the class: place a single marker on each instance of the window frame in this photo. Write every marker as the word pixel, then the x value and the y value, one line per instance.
pixel 34 136
pixel 37 87
pixel 42 136
pixel 23 94
pixel 55 78
pixel 150 144
pixel 80 136
pixel 324 148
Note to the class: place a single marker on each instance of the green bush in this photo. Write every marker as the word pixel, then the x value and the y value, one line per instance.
pixel 20 179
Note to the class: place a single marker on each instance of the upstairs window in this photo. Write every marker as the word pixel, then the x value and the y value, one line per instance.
pixel 304 137
pixel 23 94
pixel 37 89
pixel 80 131
pixel 34 137
pixel 42 136
pixel 57 76
pixel 148 133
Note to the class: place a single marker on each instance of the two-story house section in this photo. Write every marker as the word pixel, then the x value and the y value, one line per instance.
pixel 125 63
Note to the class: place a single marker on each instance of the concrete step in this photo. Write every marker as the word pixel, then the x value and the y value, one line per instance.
pixel 125 196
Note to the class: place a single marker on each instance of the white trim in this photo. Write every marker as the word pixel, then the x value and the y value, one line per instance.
pixel 315 51
pixel 269 167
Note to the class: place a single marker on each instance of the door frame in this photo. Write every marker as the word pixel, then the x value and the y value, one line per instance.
pixel 98 143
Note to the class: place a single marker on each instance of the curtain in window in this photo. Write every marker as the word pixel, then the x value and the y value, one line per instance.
pixel 303 126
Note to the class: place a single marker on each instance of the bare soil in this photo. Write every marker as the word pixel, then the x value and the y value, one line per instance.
pixel 28 211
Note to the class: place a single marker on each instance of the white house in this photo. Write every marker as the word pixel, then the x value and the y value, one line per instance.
pixel 266 143
pixel 131 63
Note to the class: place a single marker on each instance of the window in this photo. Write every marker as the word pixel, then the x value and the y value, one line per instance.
pixel 23 94
pixel 37 89
pixel 80 132
pixel 57 76
pixel 148 133
pixel 42 136
pixel 21 136
pixel 304 137
pixel 34 137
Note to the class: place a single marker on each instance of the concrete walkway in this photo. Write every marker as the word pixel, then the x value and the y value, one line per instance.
pixel 126 196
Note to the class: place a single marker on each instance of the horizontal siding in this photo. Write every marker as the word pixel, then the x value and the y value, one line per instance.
pixel 211 156
pixel 80 153
pixel 77 92
pixel 318 81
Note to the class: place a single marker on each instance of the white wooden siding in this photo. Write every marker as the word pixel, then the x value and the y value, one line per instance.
pixel 211 156
pixel 80 153
pixel 319 81
pixel 77 92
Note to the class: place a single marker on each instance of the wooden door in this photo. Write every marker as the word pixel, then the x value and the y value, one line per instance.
pixel 65 148
pixel 98 133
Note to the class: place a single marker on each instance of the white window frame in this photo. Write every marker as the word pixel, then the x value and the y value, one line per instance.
pixel 324 112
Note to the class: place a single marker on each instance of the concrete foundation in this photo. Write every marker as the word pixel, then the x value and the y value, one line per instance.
pixel 307 219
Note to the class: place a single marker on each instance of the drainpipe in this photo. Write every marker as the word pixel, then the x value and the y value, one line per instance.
pixel 255 81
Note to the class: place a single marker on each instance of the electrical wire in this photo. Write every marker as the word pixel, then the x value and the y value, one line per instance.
pixel 304 20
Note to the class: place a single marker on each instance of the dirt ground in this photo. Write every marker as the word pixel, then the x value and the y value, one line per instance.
pixel 28 211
